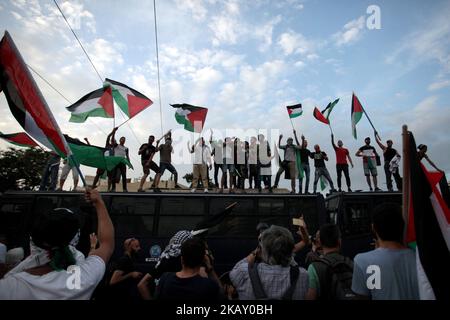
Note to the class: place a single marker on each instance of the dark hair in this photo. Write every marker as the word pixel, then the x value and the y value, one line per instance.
pixel 152 136
pixel 329 235
pixel 53 231
pixel 193 252
pixel 388 222
pixel 55 228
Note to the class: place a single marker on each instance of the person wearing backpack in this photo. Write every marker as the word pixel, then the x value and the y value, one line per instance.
pixel 330 276
pixel 269 273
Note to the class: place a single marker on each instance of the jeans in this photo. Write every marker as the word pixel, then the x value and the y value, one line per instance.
pixel 339 169
pixel 322 171
pixel 120 171
pixel 306 171
pixel 389 174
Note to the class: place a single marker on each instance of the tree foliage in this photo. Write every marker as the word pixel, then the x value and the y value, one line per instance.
pixel 21 169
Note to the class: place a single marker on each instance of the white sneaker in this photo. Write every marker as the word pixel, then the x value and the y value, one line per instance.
pixel 206 191
pixel 193 190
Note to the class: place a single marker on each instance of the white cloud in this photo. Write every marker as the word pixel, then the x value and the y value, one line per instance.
pixel 293 43
pixel 76 14
pixel 16 15
pixel 350 33
pixel 105 55
pixel 299 64
pixel 439 85
pixel 195 7
pixel 226 29
pixel 430 42
pixel 265 32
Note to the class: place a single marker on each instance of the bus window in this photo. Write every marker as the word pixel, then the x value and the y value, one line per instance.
pixel 268 206
pixel 235 226
pixel 356 219
pixel 133 226
pixel 169 225
pixel 182 206
pixel 245 206
pixel 132 206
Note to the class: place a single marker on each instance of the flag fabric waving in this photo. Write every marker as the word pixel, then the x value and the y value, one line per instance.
pixel 20 139
pixel 26 101
pixel 357 111
pixel 295 110
pixel 98 103
pixel 326 112
pixel 129 100
pixel 428 228
pixel 192 117
pixel 93 156
pixel 319 116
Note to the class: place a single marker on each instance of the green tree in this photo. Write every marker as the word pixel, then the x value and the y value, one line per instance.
pixel 21 169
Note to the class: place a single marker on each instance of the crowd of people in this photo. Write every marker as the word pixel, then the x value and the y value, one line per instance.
pixel 185 270
pixel 238 161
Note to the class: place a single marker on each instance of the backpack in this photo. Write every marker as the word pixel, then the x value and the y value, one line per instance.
pixel 258 289
pixel 335 276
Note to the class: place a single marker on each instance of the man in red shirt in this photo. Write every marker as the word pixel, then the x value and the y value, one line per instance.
pixel 341 163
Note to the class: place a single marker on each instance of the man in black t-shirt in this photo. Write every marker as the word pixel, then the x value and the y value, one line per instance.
pixel 189 283
pixel 124 279
pixel 147 152
pixel 304 157
pixel 389 153
pixel 321 170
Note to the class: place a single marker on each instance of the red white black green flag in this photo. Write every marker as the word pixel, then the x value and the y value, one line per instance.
pixel 26 101
pixel 20 139
pixel 192 117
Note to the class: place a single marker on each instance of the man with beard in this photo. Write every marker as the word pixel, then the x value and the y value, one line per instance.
pixel 125 277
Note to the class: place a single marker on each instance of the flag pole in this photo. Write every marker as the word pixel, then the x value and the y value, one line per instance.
pixel 406 173
pixel 329 126
pixel 122 122
pixel 370 121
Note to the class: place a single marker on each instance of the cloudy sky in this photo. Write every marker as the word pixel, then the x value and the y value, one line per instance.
pixel 245 61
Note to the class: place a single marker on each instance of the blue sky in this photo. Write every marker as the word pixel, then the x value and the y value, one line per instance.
pixel 245 61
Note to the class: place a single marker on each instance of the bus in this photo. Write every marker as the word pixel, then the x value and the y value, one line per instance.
pixel 155 218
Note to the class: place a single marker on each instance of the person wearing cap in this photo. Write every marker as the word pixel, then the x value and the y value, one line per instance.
pixel 368 153
pixel 124 278
pixel 55 269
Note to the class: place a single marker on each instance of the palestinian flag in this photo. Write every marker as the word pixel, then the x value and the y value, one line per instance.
pixel 98 103
pixel 428 227
pixel 192 117
pixel 26 101
pixel 20 139
pixel 319 116
pixel 295 110
pixel 298 163
pixel 323 183
pixel 213 220
pixel 93 156
pixel 357 111
pixel 129 100
pixel 326 112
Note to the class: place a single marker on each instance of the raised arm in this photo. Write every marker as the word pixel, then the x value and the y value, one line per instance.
pixel 279 139
pixel 432 163
pixel 110 138
pixel 332 142
pixel 303 142
pixel 380 144
pixel 105 229
pixel 87 141
pixel 296 138
pixel 211 137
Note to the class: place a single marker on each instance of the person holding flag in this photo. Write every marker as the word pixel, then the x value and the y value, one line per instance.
pixel 321 170
pixel 389 154
pixel 289 162
pixel 121 169
pixel 368 153
pixel 304 166
pixel 147 151
pixel 165 158
pixel 341 163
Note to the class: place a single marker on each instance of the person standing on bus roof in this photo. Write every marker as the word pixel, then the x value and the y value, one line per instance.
pixel 341 163
pixel 368 153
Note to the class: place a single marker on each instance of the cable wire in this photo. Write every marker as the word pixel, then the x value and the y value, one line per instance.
pixel 157 65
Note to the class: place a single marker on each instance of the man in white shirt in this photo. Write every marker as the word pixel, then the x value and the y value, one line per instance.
pixel 202 162
pixel 67 274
